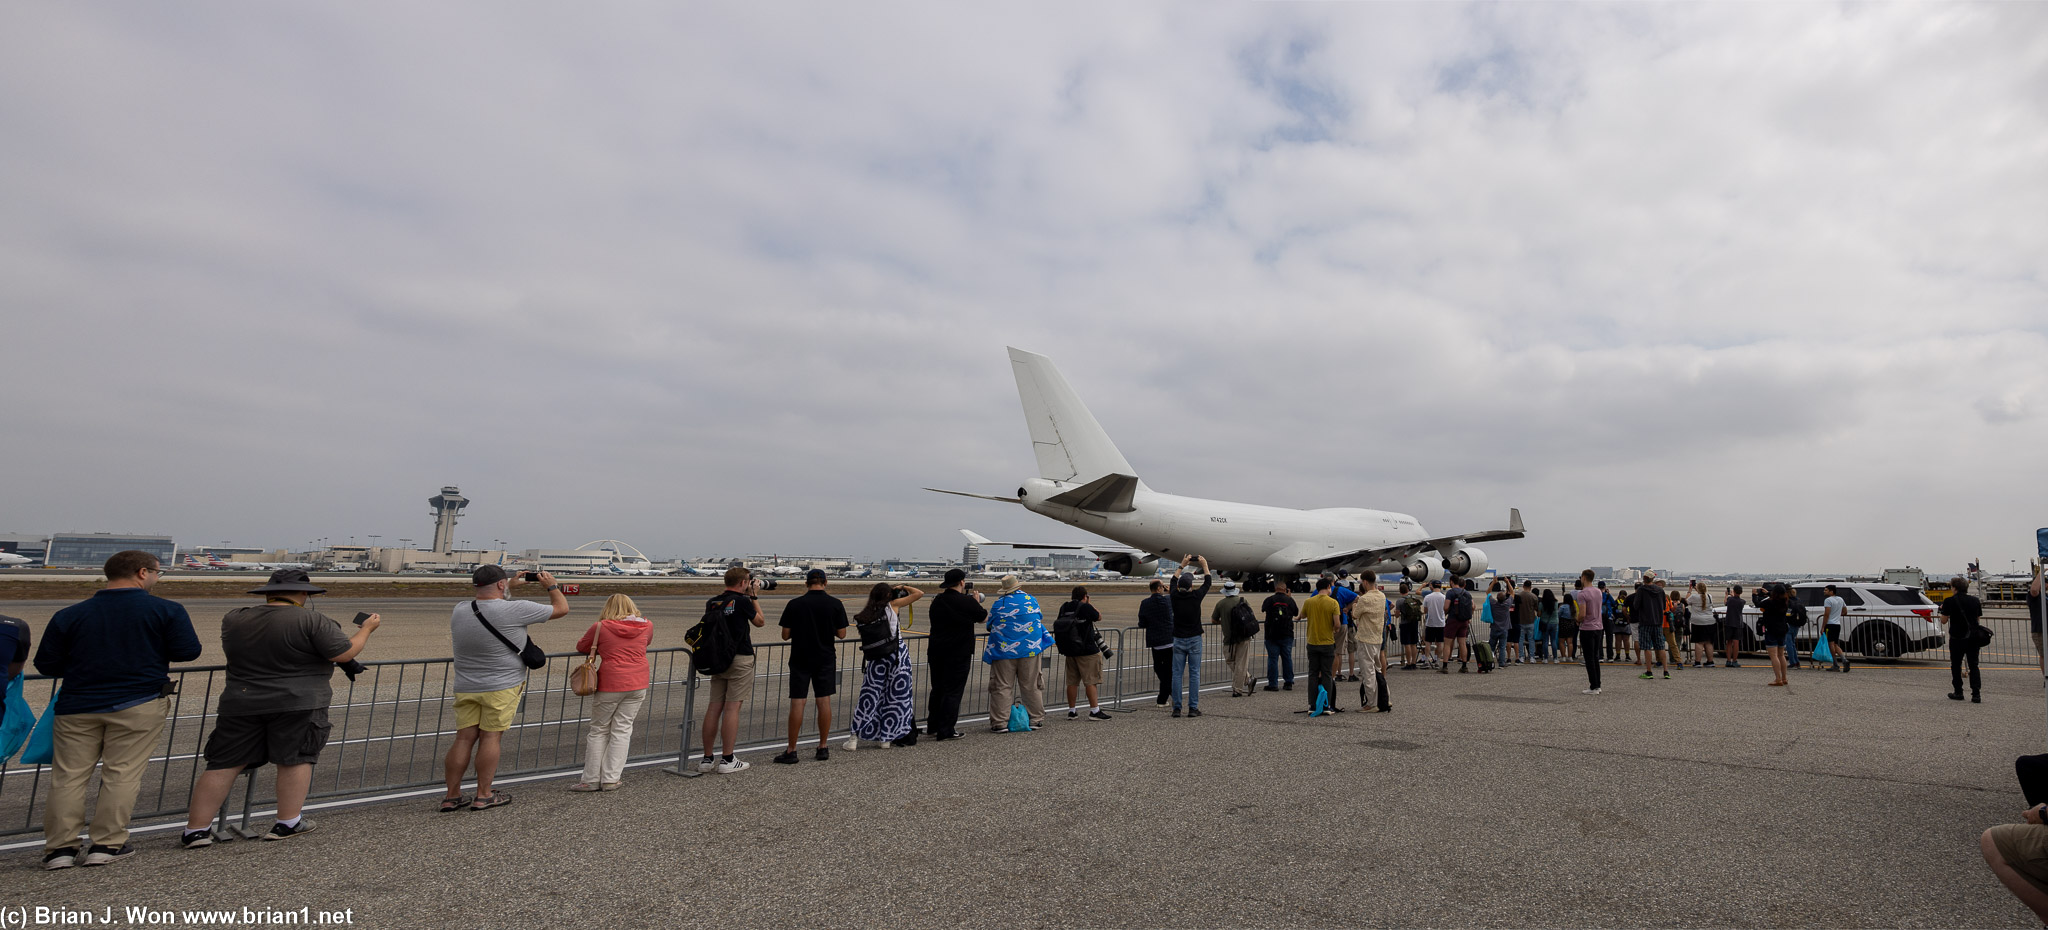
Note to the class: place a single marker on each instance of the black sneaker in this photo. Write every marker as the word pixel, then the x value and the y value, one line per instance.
pixel 101 855
pixel 788 757
pixel 1099 714
pixel 60 858
pixel 278 831
pixel 825 755
pixel 1287 687
pixel 1176 711
pixel 1073 714
pixel 956 734
pixel 1270 688
pixel 1194 712
pixel 195 839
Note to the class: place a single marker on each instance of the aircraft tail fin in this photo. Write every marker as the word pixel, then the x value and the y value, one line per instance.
pixel 1066 439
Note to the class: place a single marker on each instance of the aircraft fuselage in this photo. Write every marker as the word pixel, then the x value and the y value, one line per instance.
pixel 1236 537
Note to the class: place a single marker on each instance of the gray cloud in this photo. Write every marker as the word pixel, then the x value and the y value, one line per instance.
pixel 711 279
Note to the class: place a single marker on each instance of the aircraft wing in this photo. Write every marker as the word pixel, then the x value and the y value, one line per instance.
pixel 986 497
pixel 1359 558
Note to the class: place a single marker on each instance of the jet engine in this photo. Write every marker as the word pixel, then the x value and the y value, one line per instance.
pixel 1130 566
pixel 1424 570
pixel 1466 563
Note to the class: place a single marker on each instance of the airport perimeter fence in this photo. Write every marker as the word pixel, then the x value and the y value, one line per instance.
pixel 394 722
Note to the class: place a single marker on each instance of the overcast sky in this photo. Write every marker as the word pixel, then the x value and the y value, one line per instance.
pixel 1731 287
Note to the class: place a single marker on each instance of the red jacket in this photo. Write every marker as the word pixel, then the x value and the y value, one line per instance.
pixel 624 651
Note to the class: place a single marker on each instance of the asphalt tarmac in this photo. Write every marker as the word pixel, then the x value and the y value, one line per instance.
pixel 1708 800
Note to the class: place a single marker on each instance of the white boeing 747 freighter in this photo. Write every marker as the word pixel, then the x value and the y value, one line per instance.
pixel 1084 481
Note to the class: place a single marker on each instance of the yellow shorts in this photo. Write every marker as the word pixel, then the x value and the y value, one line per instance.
pixel 490 711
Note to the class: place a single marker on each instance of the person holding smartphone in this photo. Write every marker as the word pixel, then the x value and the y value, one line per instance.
pixel 280 659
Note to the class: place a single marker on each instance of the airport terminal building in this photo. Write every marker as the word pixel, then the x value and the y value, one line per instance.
pixel 90 550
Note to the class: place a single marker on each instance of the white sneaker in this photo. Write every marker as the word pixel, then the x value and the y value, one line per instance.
pixel 1590 691
pixel 736 765
pixel 706 764
pixel 852 743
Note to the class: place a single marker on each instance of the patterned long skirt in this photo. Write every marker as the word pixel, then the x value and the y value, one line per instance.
pixel 884 711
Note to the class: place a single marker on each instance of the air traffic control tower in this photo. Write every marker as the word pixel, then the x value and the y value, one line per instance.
pixel 447 506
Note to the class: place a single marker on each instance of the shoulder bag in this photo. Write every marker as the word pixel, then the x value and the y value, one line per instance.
pixel 532 655
pixel 583 678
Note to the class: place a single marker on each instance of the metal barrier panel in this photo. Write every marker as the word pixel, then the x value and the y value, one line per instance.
pixel 391 727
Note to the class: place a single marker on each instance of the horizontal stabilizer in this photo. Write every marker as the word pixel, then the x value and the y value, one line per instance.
pixel 1107 494
pixel 986 497
pixel 1099 550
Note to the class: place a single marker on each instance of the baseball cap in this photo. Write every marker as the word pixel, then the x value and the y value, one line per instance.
pixel 488 574
pixel 954 576
pixel 814 576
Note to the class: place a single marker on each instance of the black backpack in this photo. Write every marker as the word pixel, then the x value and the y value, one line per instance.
pixel 711 644
pixel 1067 634
pixel 1243 623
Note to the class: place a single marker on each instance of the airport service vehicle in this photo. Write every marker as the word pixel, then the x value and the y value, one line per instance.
pixel 1084 481
pixel 1885 621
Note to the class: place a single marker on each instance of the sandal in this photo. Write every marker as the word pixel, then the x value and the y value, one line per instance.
pixel 583 786
pixel 608 786
pixel 497 799
pixel 451 805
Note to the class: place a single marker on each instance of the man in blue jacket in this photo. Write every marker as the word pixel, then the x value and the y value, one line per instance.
pixel 114 652
pixel 1155 617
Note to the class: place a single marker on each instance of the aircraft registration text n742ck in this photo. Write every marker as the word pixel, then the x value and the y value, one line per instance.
pixel 1084 481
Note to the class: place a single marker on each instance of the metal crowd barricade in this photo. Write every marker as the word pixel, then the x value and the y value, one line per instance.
pixel 391 727
pixel 394 722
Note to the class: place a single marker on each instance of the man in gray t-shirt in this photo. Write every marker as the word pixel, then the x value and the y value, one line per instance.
pixel 489 677
pixel 281 657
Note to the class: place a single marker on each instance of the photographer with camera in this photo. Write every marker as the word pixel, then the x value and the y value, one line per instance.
pixel 736 609
pixel 884 713
pixel 1016 635
pixel 949 650
pixel 491 643
pixel 1075 635
pixel 280 657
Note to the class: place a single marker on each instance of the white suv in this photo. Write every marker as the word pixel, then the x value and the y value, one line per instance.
pixel 1885 621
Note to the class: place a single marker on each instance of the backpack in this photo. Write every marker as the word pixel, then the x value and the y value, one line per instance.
pixel 711 644
pixel 1066 632
pixel 1243 623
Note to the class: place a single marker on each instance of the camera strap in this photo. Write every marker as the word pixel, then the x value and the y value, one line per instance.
pixel 494 630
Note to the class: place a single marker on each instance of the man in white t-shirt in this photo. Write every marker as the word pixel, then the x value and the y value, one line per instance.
pixel 1834 613
pixel 1434 616
pixel 488 632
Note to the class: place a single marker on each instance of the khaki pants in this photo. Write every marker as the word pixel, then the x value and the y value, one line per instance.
pixel 1015 681
pixel 1240 658
pixel 1346 646
pixel 1369 654
pixel 610 734
pixel 121 743
pixel 1671 636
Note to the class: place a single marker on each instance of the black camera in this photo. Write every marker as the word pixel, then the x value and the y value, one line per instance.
pixel 897 593
pixel 533 576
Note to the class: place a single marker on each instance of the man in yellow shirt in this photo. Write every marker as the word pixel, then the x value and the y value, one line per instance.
pixel 1320 613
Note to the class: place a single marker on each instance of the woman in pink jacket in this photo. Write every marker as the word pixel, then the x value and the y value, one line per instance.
pixel 620 637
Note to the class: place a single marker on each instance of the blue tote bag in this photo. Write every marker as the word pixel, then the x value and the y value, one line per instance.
pixel 39 751
pixel 18 721
pixel 1020 719
pixel 1821 652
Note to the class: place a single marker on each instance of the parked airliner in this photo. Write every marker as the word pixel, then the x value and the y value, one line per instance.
pixel 9 558
pixel 1084 481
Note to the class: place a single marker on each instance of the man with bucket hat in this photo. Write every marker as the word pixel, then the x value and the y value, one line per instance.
pixel 280 657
